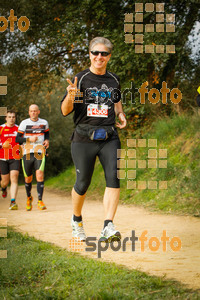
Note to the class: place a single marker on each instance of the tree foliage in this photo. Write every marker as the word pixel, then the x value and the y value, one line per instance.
pixel 56 46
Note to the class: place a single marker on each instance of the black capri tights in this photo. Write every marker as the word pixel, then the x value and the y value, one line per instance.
pixel 84 157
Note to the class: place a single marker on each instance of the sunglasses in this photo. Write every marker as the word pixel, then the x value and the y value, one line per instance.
pixel 103 53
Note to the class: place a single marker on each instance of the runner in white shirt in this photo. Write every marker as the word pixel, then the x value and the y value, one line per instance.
pixel 33 133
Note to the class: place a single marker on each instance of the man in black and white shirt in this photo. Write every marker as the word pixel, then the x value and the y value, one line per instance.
pixel 33 133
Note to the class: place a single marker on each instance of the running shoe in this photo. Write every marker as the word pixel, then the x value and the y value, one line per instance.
pixel 29 203
pixel 13 206
pixel 110 234
pixel 78 230
pixel 4 193
pixel 41 205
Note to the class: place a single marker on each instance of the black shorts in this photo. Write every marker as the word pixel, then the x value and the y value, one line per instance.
pixel 9 165
pixel 33 163
pixel 84 157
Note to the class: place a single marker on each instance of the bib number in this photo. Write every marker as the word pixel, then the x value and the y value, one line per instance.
pixel 95 110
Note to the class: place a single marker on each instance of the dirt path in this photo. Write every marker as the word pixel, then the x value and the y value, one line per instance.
pixel 53 225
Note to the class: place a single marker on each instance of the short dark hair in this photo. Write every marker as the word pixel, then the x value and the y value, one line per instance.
pixel 10 111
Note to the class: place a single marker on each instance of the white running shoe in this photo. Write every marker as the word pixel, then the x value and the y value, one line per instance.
pixel 110 234
pixel 77 230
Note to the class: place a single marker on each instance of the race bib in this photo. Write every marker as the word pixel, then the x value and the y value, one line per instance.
pixel 95 110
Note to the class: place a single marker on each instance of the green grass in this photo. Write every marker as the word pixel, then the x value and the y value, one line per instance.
pixel 39 270
pixel 180 135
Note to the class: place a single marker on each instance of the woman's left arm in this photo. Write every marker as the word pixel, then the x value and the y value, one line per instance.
pixel 121 115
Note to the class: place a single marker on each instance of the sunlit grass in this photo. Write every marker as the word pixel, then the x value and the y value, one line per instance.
pixel 180 136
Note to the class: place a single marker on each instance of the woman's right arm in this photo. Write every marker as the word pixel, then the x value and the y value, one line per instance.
pixel 68 103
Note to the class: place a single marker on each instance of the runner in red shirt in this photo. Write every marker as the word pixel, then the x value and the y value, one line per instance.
pixel 9 164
